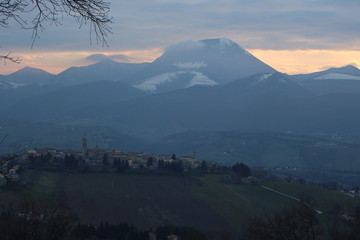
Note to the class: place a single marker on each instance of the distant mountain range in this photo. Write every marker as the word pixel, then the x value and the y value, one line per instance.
pixel 208 85
pixel 334 80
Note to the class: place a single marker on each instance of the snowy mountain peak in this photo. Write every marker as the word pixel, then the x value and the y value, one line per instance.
pixel 223 45
pixel 221 42
pixel 205 62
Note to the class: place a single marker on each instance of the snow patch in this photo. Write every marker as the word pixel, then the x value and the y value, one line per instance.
pixel 190 65
pixel 149 85
pixel 200 79
pixel 16 85
pixel 261 78
pixel 7 85
pixel 339 76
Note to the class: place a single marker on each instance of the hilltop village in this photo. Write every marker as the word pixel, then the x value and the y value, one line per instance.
pixel 93 159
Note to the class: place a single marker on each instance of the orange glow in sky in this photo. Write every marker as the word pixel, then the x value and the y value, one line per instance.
pixel 306 61
pixel 286 61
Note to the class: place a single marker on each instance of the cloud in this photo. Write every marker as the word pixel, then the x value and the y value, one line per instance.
pixel 190 65
pixel 100 57
pixel 306 61
pixel 267 24
pixel 185 46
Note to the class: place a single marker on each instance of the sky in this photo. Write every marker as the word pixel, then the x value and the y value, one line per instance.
pixel 297 36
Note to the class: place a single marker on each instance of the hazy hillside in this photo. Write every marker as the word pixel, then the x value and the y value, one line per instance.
pixel 28 76
pixel 54 104
pixel 247 104
pixel 105 70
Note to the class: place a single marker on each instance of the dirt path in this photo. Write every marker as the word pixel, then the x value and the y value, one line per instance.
pixel 291 197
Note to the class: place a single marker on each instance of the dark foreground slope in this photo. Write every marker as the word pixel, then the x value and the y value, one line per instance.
pixel 147 201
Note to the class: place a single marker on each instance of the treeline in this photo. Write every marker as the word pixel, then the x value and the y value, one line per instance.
pixel 304 223
pixel 124 231
pixel 34 221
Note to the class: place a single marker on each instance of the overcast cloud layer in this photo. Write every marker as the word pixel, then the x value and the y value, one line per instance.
pixel 256 24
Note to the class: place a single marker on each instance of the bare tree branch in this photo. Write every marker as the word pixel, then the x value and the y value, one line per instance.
pixel 94 12
pixel 10 58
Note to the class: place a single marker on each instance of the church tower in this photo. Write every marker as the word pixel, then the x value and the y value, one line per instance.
pixel 84 146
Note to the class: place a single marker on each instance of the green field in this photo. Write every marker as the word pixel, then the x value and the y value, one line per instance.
pixel 40 186
pixel 147 201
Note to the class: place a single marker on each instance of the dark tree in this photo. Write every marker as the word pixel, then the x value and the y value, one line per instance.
pixel 121 165
pixel 203 166
pixel 105 159
pixel 70 162
pixel 161 164
pixel 150 162
pixel 241 169
pixel 297 223
pixel 342 226
pixel 32 220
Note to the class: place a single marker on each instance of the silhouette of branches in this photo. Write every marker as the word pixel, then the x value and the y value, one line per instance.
pixel 33 14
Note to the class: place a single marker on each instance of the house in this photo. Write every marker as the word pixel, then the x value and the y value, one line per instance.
pixel 13 175
pixel 250 180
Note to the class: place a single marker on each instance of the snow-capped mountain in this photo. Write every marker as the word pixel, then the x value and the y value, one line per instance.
pixel 207 62
pixel 186 64
pixel 268 83
pixel 348 72
pixel 334 80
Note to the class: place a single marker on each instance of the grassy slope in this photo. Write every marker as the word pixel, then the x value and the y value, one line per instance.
pixel 143 200
pixel 238 202
pixel 41 186
pixel 320 198
pixel 149 201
